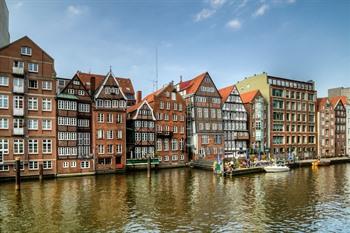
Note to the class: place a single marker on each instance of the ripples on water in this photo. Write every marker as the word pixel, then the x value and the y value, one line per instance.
pixel 182 200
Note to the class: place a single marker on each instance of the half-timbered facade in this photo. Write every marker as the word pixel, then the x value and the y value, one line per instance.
pixel 205 136
pixel 140 132
pixel 74 115
pixel 27 109
pixel 235 121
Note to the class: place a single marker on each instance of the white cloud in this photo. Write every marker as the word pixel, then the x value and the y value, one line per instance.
pixel 234 24
pixel 76 10
pixel 261 10
pixel 217 3
pixel 204 14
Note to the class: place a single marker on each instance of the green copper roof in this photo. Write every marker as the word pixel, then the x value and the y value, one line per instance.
pixel 67 96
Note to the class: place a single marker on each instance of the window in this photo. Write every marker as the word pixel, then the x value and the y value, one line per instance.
pixel 33 165
pixel 174 145
pixel 120 134
pixel 26 51
pixel 33 146
pixel 67 105
pixel 47 85
pixel 81 92
pixel 159 145
pixel 99 134
pixel 18 64
pixel 47 164
pixel 33 67
pixel 4 101
pixel 33 84
pixel 46 104
pixel 110 149
pixel 83 107
pixel 4 168
pixel 119 148
pixel 109 134
pixel 65 164
pixel 4 123
pixel 18 146
pixel 100 118
pixel 166 145
pixel 32 124
pixel 32 103
pixel 110 118
pixel 47 124
pixel 73 164
pixel 173 95
pixel 47 146
pixel 71 91
pixel 4 146
pixel 174 157
pixel 4 81
pixel 205 139
pixel 100 149
pixel 18 102
pixel 83 123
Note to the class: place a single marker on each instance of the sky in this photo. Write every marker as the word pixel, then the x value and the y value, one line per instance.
pixel 231 39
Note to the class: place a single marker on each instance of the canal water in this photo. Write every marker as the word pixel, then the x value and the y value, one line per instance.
pixel 182 200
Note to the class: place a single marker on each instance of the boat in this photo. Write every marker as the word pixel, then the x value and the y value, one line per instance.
pixel 276 168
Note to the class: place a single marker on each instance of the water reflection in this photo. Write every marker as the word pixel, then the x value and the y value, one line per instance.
pixel 182 200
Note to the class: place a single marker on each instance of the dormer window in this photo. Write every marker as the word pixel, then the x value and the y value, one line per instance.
pixel 76 82
pixel 26 51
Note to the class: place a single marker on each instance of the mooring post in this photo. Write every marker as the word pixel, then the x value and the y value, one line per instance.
pixel 18 173
pixel 149 167
pixel 41 171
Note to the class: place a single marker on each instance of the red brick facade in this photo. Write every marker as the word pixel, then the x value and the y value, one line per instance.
pixel 27 109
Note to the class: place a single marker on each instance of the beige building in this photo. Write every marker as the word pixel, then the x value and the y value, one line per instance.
pixel 291 113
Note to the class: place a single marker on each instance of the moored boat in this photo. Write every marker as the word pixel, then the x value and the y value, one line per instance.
pixel 276 168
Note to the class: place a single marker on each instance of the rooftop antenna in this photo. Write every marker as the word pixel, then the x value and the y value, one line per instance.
pixel 110 69
pixel 156 81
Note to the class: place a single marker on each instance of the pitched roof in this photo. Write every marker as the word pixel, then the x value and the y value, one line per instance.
pixel 126 85
pixel 225 92
pixel 334 100
pixel 321 102
pixel 85 78
pixel 191 86
pixel 249 96
pixel 150 97
pixel 134 107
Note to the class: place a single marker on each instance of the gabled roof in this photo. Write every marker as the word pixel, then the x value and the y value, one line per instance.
pixel 191 86
pixel 137 107
pixel 85 78
pixel 334 100
pixel 225 92
pixel 22 38
pixel 150 97
pixel 321 102
pixel 126 85
pixel 249 96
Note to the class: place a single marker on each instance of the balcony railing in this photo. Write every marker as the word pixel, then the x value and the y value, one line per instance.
pixel 18 89
pixel 18 131
pixel 18 111
pixel 18 70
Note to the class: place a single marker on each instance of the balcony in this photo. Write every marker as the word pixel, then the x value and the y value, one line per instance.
pixel 165 134
pixel 18 70
pixel 18 131
pixel 133 162
pixel 18 89
pixel 18 111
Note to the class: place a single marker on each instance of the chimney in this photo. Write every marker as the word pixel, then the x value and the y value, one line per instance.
pixel 138 96
pixel 92 84
pixel 180 78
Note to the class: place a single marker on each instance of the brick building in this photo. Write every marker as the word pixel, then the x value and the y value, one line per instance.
pixel 74 135
pixel 140 131
pixel 344 91
pixel 205 135
pixel 169 110
pixel 291 113
pixel 235 120
pixel 27 109
pixel 256 107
